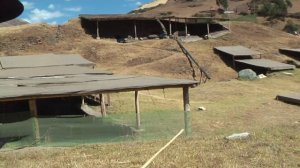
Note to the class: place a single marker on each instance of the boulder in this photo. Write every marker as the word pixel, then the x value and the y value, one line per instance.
pixel 247 74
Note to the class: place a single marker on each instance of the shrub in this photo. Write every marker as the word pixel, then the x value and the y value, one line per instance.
pixel 275 8
pixel 291 27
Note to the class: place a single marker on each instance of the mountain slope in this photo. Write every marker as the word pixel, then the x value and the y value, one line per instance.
pixel 149 57
pixel 14 22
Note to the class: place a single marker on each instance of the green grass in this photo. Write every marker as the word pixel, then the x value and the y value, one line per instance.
pixel 247 18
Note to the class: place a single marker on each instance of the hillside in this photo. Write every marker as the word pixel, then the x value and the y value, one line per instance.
pixel 189 8
pixel 150 57
pixel 14 22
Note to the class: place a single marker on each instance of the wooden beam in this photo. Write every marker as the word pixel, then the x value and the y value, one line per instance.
pixel 33 108
pixel 137 110
pixel 98 33
pixel 187 110
pixel 102 104
pixel 186 28
pixel 170 27
pixel 208 29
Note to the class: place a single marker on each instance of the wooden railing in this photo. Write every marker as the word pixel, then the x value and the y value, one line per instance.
pixel 203 73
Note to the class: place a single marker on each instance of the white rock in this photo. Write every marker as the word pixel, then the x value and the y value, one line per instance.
pixel 288 73
pixel 261 76
pixel 239 136
pixel 201 108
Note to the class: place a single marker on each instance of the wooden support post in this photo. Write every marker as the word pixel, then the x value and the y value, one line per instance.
pixel 135 31
pixel 186 106
pixel 208 29
pixel 170 27
pixel 137 110
pixel 186 28
pixel 108 99
pixel 33 108
pixel 98 33
pixel 36 129
pixel 233 62
pixel 102 104
pixel 34 113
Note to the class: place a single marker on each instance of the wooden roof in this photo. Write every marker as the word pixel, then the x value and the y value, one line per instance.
pixel 49 80
pixel 267 64
pixel 48 60
pixel 116 17
pixel 237 50
pixel 106 17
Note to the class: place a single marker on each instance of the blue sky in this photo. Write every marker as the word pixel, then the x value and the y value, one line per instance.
pixel 60 11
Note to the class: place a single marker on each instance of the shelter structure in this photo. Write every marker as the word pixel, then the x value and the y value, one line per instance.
pixel 240 57
pixel 294 53
pixel 264 64
pixel 53 78
pixel 234 53
pixel 290 98
pixel 139 26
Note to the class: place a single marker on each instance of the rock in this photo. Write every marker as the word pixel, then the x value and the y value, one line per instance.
pixel 288 73
pixel 153 36
pixel 239 136
pixel 247 74
pixel 201 108
pixel 261 76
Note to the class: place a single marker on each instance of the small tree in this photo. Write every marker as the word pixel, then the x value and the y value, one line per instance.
pixel 291 27
pixel 275 8
pixel 223 3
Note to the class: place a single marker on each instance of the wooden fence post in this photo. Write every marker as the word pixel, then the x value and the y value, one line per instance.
pixel 187 110
pixel 137 110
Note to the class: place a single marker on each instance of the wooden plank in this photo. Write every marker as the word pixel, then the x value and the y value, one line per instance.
pixel 187 111
pixel 102 104
pixel 162 149
pixel 33 108
pixel 137 110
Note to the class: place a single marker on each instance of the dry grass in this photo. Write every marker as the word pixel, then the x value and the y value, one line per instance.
pixel 232 106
